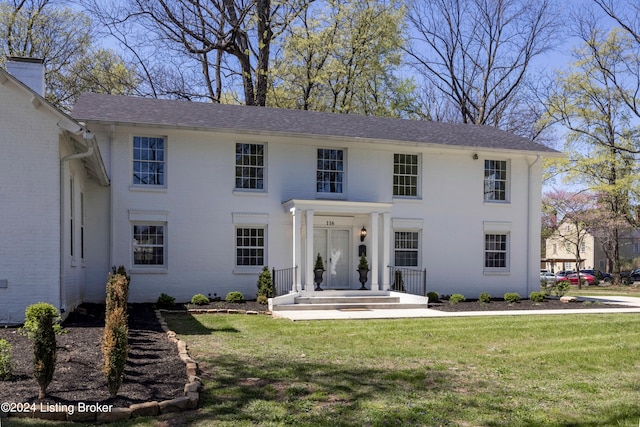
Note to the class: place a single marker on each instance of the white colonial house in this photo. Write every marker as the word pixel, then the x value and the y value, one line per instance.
pixel 199 197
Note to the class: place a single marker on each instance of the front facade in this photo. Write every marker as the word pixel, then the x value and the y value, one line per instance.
pixel 197 198
pixel 202 197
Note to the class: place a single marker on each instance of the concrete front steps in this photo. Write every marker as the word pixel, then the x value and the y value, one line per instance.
pixel 348 300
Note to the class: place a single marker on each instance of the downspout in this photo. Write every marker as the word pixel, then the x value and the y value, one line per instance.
pixel 88 137
pixel 529 231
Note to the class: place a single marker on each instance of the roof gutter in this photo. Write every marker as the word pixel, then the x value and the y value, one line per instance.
pixel 88 137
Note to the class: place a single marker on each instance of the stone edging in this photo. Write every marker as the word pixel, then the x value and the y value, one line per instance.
pixel 110 414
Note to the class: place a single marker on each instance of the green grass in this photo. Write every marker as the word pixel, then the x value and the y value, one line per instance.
pixel 569 370
pixel 561 370
pixel 629 291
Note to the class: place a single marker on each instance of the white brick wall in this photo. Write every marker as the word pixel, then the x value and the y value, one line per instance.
pixel 29 205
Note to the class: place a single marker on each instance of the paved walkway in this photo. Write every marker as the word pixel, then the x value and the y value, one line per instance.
pixel 633 304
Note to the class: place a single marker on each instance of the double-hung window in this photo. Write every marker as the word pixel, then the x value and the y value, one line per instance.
pixel 405 175
pixel 406 248
pixel 149 161
pixel 250 167
pixel 496 251
pixel 330 171
pixel 496 180
pixel 149 245
pixel 250 246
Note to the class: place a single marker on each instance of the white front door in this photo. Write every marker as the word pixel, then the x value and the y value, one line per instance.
pixel 333 245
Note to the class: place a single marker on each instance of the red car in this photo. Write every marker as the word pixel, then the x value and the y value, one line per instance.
pixel 573 278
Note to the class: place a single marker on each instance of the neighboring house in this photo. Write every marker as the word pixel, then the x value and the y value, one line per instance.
pixel 560 254
pixel 49 168
pixel 202 196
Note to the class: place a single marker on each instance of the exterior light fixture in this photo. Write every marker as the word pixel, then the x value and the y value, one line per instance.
pixel 475 156
pixel 363 234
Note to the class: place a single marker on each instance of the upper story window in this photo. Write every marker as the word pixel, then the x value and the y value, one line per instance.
pixel 330 175
pixel 495 180
pixel 405 175
pixel 148 161
pixel 250 167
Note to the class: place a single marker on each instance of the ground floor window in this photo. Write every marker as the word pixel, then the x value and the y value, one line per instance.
pixel 250 246
pixel 406 248
pixel 495 251
pixel 149 244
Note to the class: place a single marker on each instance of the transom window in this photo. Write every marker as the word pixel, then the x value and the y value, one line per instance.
pixel 406 248
pixel 148 160
pixel 495 251
pixel 330 171
pixel 148 244
pixel 495 180
pixel 250 166
pixel 250 245
pixel 405 175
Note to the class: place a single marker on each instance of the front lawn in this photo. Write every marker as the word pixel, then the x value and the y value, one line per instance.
pixel 578 370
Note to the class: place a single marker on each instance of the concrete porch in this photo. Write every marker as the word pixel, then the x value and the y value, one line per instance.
pixel 346 301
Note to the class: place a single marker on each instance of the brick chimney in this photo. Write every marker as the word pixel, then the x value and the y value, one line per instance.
pixel 29 71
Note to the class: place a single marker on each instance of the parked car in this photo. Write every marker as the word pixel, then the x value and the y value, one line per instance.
pixel 604 277
pixel 564 273
pixel 631 276
pixel 573 278
pixel 549 278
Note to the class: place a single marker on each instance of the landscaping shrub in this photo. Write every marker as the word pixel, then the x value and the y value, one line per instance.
pixel 484 298
pixel 511 297
pixel 116 332
pixel 166 300
pixel 6 360
pixel 34 312
pixel 265 284
pixel 262 300
pixel 114 348
pixel 39 324
pixel 433 296
pixel 234 296
pixel 536 296
pixel 456 298
pixel 199 299
pixel 561 288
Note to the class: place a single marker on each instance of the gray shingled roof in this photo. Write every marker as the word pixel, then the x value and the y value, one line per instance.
pixel 162 112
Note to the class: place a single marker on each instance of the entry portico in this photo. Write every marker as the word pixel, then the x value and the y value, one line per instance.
pixel 332 229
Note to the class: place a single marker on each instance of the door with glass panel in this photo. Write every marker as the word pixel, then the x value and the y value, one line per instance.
pixel 333 245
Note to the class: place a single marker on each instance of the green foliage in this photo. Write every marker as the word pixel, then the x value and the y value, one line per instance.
pixel 117 290
pixel 456 298
pixel 511 297
pixel 433 296
pixel 265 284
pixel 115 348
pixel 363 264
pixel 234 296
pixel 166 300
pixel 262 300
pixel 561 288
pixel 199 299
pixel 6 360
pixel 398 282
pixel 536 296
pixel 34 312
pixel 484 298
pixel 39 324
pixel 319 265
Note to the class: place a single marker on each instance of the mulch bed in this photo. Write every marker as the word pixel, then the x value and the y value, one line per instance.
pixel 501 305
pixel 154 372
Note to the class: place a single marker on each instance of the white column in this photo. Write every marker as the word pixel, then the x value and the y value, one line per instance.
pixel 386 250
pixel 375 250
pixel 297 247
pixel 308 265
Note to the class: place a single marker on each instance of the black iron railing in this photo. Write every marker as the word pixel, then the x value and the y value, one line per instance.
pixel 283 280
pixel 408 280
